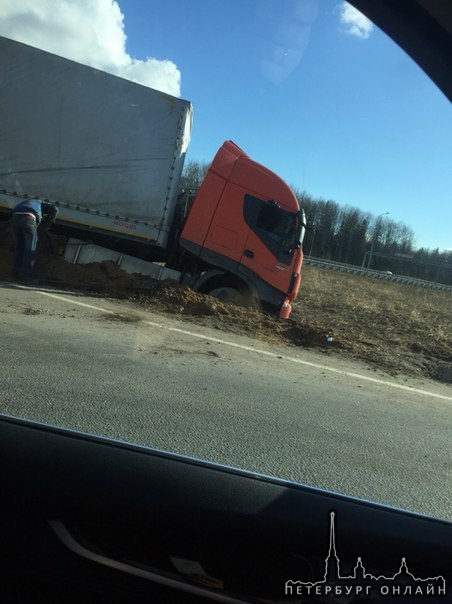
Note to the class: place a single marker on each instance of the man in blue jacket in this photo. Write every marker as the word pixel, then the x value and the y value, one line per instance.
pixel 26 217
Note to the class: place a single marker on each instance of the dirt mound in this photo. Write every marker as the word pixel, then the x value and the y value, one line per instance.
pixel 395 328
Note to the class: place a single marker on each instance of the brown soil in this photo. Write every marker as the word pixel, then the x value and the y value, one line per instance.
pixel 395 328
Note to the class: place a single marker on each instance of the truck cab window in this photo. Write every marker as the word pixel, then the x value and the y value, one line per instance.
pixel 272 220
pixel 274 226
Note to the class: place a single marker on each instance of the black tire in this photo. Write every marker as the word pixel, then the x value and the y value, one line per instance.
pixel 228 295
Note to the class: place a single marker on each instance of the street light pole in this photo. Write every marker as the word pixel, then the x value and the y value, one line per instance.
pixel 313 237
pixel 374 238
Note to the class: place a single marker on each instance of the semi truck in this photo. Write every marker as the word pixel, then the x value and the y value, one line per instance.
pixel 109 153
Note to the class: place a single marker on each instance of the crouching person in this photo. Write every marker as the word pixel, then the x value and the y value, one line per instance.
pixel 25 219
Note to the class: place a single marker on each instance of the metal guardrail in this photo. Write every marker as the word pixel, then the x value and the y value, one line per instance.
pixel 357 270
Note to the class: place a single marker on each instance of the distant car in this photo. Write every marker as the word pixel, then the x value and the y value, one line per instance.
pixel 388 273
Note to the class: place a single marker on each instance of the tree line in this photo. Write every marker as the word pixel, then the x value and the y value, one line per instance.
pixel 349 235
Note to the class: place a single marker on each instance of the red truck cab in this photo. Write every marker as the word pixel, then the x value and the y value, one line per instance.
pixel 246 228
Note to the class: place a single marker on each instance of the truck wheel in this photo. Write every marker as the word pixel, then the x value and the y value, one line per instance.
pixel 229 295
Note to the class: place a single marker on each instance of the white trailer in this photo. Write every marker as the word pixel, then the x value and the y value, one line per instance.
pixel 108 151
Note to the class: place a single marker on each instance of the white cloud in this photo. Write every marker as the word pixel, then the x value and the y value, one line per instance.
pixel 353 22
pixel 86 31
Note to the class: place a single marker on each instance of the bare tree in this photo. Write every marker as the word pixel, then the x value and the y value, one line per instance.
pixel 193 175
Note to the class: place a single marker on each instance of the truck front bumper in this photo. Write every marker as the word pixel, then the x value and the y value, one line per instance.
pixel 286 309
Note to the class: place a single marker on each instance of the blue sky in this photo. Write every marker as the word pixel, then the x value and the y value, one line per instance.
pixel 355 120
pixel 306 87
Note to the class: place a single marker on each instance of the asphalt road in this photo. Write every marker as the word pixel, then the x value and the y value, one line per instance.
pixel 103 367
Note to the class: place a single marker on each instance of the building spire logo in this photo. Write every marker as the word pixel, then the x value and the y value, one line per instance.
pixel 361 582
pixel 332 562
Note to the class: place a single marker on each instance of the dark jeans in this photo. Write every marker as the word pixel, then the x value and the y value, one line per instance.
pixel 25 238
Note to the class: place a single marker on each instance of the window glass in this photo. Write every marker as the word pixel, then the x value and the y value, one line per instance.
pixel 352 392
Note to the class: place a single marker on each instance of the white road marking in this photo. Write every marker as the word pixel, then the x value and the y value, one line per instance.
pixel 267 353
pixel 99 308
